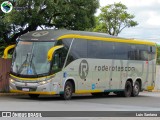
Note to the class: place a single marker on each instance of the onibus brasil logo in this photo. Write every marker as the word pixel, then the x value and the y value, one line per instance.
pixel 6 6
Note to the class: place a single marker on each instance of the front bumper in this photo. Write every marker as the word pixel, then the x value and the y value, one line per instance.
pixel 32 88
pixel 35 92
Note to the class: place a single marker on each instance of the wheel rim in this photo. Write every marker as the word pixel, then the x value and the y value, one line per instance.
pixel 136 89
pixel 68 91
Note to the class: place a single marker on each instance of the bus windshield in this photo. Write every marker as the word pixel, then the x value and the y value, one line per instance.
pixel 30 58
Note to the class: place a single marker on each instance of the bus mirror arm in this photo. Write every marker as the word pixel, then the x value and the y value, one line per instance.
pixel 51 52
pixel 5 55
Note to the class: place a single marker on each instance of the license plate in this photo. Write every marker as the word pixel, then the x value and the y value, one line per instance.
pixel 25 89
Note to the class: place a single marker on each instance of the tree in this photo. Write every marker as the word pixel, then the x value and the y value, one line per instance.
pixel 113 19
pixel 27 15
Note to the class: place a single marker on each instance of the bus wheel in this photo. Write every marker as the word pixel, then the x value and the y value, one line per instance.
pixel 136 89
pixel 34 96
pixel 68 90
pixel 128 89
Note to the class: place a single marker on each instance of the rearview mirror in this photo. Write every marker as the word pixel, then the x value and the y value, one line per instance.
pixel 5 55
pixel 51 52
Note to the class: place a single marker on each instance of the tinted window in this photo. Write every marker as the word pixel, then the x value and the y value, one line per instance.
pixel 143 52
pixel 152 52
pixel 132 52
pixel 59 59
pixel 108 50
pixel 101 49
pixel 121 51
pixel 94 49
pixel 138 52
pixel 79 49
pixel 66 42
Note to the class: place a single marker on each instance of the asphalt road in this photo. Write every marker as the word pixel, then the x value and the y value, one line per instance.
pixel 149 101
pixel 146 101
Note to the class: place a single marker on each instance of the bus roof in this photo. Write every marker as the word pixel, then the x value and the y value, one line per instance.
pixel 51 35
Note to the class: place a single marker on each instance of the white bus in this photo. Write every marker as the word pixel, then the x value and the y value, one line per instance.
pixel 65 62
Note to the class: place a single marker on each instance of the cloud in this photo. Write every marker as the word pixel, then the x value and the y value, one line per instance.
pixel 147 14
pixel 131 3
pixel 154 19
pixel 145 11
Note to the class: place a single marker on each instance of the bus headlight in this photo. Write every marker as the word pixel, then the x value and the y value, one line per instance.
pixel 11 80
pixel 45 82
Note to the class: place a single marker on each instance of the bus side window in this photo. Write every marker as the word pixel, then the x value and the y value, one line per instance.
pixel 132 52
pixel 152 52
pixel 144 55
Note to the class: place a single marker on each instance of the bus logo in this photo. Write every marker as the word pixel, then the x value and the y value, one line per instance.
pixel 83 69
pixel 40 33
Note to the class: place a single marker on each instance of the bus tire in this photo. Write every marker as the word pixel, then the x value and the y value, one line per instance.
pixel 136 89
pixel 68 90
pixel 34 96
pixel 128 89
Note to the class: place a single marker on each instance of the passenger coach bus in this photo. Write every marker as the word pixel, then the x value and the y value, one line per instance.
pixel 65 62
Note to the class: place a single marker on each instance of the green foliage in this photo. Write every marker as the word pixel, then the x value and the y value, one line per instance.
pixel 113 19
pixel 69 14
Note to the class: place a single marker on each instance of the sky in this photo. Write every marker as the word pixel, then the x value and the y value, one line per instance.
pixel 147 14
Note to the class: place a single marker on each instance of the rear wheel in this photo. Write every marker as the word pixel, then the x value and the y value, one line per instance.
pixel 68 90
pixel 128 89
pixel 136 89
pixel 34 96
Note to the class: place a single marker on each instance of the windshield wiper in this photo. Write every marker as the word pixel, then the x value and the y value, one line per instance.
pixel 23 64
pixel 31 65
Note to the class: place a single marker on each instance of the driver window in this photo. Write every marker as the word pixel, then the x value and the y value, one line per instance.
pixel 58 60
pixel 56 65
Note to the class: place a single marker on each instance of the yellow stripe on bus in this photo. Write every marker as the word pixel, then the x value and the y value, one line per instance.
pixel 42 93
pixel 87 91
pixel 131 41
